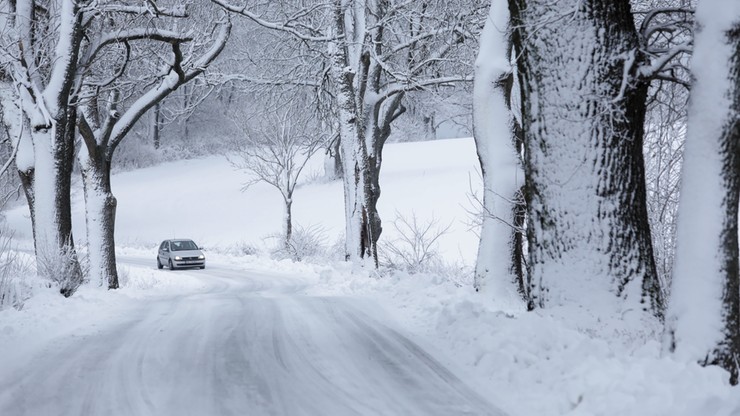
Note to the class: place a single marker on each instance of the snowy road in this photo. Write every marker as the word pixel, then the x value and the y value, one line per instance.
pixel 242 345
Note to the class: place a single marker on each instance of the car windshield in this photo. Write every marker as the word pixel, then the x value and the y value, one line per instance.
pixel 183 245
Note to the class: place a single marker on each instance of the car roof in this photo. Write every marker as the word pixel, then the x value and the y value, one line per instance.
pixel 177 239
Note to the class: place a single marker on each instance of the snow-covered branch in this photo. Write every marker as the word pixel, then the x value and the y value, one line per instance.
pixel 420 84
pixel 666 40
pixel 125 36
pixel 290 25
pixel 174 79
pixel 259 80
pixel 150 7
pixel 661 62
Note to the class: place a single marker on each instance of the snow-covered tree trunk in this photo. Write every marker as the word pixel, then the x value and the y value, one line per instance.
pixel 365 116
pixel 52 215
pixel 704 310
pixel 156 124
pixel 18 128
pixel 333 161
pixel 288 221
pixel 43 95
pixel 100 215
pixel 502 173
pixel 352 144
pixel 353 157
pixel 583 113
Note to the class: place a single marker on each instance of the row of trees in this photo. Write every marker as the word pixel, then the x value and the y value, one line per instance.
pixel 74 69
pixel 562 98
pixel 76 76
pixel 577 78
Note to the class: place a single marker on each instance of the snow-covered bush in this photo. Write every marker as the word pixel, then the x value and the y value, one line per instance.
pixel 15 287
pixel 415 247
pixel 58 267
pixel 305 242
pixel 244 248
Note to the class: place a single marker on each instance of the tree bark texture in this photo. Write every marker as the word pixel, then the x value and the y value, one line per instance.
pixel 583 110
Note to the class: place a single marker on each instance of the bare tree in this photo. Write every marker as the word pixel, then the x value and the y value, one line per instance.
pixel 415 249
pixel 277 146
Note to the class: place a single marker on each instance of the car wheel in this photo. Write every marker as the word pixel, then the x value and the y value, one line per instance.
pixel 171 266
pixel 202 267
pixel 159 264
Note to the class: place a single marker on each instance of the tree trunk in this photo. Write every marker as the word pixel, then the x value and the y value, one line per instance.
pixel 704 311
pixel 288 224
pixel 26 176
pixel 100 207
pixel 588 231
pixel 430 128
pixel 55 252
pixel 333 161
pixel 18 127
pixel 156 124
pixel 352 145
pixel 499 252
pixel 518 258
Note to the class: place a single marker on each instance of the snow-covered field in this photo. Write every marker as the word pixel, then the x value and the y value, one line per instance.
pixel 454 349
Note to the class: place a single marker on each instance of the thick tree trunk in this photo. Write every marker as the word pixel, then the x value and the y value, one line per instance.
pixel 704 311
pixel 355 163
pixel 583 113
pixel 100 207
pixel 52 218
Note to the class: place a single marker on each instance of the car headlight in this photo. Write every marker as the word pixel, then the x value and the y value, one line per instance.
pixel 178 258
pixel 201 257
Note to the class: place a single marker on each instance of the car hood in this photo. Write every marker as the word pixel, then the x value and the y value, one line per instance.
pixel 187 253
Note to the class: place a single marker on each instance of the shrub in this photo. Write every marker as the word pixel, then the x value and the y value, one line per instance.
pixel 15 288
pixel 60 267
pixel 305 242
pixel 415 249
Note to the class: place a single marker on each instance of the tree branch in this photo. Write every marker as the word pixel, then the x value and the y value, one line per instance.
pixel 287 26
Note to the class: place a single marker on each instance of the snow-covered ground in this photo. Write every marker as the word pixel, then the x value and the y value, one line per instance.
pixel 261 336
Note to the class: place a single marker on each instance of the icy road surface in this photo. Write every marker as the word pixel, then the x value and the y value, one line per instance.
pixel 244 344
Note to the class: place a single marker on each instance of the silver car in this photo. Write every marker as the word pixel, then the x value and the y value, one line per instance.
pixel 180 253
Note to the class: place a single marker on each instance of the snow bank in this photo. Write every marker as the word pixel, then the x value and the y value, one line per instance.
pixel 544 362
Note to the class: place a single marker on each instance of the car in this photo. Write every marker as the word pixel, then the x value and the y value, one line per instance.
pixel 180 253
